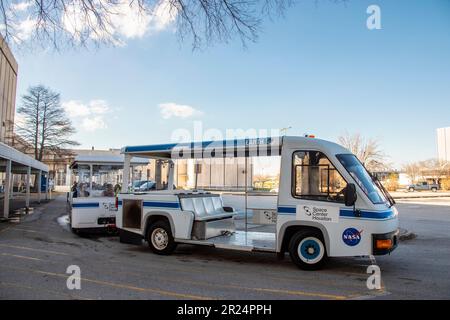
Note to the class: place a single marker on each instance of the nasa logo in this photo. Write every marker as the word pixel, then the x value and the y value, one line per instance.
pixel 352 237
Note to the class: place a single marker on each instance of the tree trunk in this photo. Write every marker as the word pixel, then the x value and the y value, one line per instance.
pixel 36 133
pixel 44 119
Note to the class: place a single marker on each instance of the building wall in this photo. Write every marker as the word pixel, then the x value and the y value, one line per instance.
pixel 8 84
pixel 443 139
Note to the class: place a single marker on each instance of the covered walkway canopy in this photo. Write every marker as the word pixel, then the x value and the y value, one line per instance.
pixel 12 162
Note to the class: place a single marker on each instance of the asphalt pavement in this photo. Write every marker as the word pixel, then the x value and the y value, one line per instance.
pixel 36 253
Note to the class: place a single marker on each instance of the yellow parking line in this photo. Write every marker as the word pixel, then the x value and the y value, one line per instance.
pixel 33 249
pixel 15 285
pixel 274 291
pixel 118 285
pixel 21 257
pixel 301 293
pixel 282 291
pixel 315 281
pixel 204 284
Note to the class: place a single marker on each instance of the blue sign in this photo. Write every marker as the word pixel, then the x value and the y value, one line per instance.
pixel 352 237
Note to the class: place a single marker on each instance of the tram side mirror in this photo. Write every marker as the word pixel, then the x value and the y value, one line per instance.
pixel 350 195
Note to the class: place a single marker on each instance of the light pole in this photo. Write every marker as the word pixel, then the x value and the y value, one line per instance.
pixel 285 130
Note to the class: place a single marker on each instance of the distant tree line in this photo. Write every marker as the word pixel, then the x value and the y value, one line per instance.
pixel 434 169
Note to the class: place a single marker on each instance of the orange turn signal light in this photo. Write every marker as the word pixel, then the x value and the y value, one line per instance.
pixel 384 244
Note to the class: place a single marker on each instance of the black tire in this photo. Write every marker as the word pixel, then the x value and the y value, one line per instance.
pixel 411 190
pixel 434 189
pixel 163 242
pixel 308 240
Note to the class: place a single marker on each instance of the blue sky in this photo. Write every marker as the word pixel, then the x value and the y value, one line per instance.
pixel 319 70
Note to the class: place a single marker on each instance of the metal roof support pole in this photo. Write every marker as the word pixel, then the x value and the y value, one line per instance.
pixel 91 173
pixel 46 186
pixel 7 189
pixel 170 181
pixel 39 185
pixel 68 176
pixel 27 186
pixel 126 173
pixel 158 175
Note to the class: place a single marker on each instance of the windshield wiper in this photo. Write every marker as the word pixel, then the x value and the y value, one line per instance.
pixel 383 190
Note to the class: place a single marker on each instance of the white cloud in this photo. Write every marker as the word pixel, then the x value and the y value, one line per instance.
pixel 99 106
pixel 25 29
pixel 127 20
pixel 21 6
pixel 75 108
pixel 163 15
pixel 93 124
pixel 170 110
pixel 89 116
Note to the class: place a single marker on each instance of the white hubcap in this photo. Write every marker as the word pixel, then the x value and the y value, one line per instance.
pixel 160 238
pixel 311 250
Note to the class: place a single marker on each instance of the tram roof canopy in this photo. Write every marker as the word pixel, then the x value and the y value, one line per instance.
pixel 256 147
pixel 209 149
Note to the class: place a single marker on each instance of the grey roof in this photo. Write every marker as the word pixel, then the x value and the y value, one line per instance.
pixel 16 156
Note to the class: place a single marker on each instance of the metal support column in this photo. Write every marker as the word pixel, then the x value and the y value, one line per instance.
pixel 91 173
pixel 27 186
pixel 7 189
pixel 39 185
pixel 158 174
pixel 170 181
pixel 126 173
pixel 46 186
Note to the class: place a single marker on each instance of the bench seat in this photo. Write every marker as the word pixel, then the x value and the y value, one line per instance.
pixel 206 207
pixel 211 218
pixel 216 216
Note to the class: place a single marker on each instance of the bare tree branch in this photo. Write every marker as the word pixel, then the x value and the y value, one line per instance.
pixel 84 22
pixel 46 126
pixel 367 151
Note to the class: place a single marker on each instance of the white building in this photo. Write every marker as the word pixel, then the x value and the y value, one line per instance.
pixel 443 140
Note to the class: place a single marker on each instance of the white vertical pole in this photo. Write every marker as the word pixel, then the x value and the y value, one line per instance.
pixel 46 186
pixel 91 173
pixel 126 173
pixel 27 186
pixel 132 174
pixel 68 176
pixel 38 183
pixel 7 189
pixel 171 175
